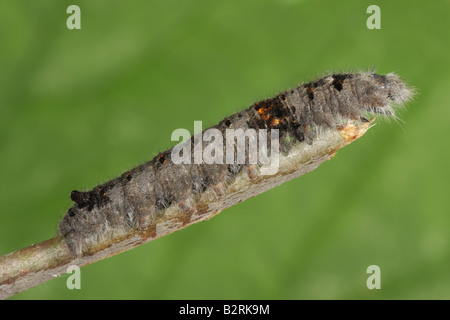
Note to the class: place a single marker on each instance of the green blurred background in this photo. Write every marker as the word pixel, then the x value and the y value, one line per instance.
pixel 79 107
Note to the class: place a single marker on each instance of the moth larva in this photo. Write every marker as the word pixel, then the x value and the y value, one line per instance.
pixel 160 196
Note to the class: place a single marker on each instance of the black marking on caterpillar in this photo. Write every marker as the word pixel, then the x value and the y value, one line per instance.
pixel 338 80
pixel 136 198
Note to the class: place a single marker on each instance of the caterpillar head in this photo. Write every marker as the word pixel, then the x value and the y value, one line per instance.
pixel 380 93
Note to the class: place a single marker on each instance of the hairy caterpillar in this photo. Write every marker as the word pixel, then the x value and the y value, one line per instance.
pixel 140 198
